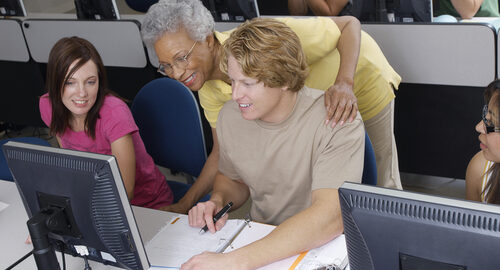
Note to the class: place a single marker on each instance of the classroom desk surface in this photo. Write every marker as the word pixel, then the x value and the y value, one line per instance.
pixel 13 231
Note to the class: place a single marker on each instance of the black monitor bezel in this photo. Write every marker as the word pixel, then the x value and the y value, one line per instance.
pixel 96 10
pixel 17 6
pixel 232 10
pixel 403 11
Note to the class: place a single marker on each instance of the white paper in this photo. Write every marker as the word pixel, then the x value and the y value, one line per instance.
pixel 176 243
pixel 3 206
pixel 253 232
pixel 333 252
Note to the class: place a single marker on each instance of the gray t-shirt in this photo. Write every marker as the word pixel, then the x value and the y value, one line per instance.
pixel 282 163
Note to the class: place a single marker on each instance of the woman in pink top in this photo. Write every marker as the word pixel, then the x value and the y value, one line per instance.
pixel 85 115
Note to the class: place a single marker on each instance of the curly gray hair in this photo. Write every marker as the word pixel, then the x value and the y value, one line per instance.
pixel 167 16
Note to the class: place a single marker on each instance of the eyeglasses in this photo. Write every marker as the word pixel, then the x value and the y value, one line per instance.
pixel 489 126
pixel 179 62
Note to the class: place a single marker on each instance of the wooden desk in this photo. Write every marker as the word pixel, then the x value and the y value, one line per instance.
pixel 13 232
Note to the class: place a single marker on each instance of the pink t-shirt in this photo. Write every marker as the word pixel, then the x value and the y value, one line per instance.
pixel 151 189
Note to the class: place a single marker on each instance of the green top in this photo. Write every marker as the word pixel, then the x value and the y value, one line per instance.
pixel 489 8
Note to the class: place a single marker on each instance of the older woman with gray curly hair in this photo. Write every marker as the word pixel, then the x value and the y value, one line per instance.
pixel 183 37
pixel 172 15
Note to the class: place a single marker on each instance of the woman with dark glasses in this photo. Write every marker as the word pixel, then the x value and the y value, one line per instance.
pixel 483 173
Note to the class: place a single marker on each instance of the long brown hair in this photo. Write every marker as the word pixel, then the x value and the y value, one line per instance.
pixel 493 195
pixel 62 55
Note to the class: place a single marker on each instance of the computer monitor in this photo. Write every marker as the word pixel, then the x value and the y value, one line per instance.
pixel 392 10
pixel 368 10
pixel 81 198
pixel 400 230
pixel 97 10
pixel 12 8
pixel 232 10
pixel 411 10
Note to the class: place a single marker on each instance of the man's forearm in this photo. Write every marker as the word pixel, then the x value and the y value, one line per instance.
pixel 314 226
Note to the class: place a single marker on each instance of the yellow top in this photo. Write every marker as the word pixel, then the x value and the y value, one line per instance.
pixel 373 81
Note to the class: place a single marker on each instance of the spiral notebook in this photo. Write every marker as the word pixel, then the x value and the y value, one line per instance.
pixel 177 242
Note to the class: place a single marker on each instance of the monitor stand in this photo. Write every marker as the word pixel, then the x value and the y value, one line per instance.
pixel 43 251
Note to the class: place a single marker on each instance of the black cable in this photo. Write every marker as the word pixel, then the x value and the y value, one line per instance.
pixel 87 266
pixel 19 261
pixel 63 260
pixel 61 247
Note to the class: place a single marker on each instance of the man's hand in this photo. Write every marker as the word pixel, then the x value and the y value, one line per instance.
pixel 210 260
pixel 203 213
pixel 341 104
